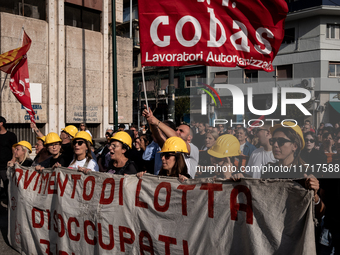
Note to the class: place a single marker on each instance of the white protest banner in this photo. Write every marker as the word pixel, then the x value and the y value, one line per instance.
pixel 67 212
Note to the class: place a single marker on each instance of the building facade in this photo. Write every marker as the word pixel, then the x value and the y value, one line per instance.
pixel 70 64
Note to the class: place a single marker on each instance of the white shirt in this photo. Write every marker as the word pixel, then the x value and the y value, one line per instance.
pixel 192 160
pixel 91 165
pixel 259 158
pixel 242 147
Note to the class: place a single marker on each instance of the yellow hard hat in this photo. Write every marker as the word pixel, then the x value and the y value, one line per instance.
pixel 71 130
pixel 291 125
pixel 83 135
pixel 25 144
pixel 174 144
pixel 225 146
pixel 52 138
pixel 42 138
pixel 123 137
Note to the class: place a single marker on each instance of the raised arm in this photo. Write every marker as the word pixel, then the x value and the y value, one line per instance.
pixel 156 126
pixel 36 130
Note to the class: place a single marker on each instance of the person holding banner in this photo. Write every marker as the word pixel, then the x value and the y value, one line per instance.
pixel 53 145
pixel 83 160
pixel 22 150
pixel 183 131
pixel 287 143
pixel 173 163
pixel 42 154
pixel 120 145
pixel 222 156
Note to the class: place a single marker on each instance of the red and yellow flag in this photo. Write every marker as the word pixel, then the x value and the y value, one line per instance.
pixel 10 58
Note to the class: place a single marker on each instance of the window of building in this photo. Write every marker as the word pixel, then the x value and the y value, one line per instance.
pixel 29 8
pixel 221 77
pixel 289 36
pixel 284 72
pixel 165 83
pixel 251 76
pixel 82 17
pixel 333 31
pixel 334 69
pixel 191 81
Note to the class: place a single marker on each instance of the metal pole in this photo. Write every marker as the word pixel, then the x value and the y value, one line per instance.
pixel 139 103
pixel 130 19
pixel 171 94
pixel 114 65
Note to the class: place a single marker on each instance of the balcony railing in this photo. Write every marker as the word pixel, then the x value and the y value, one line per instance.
pixel 305 4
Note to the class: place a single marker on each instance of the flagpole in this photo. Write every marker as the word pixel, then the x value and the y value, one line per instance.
pixel 3 85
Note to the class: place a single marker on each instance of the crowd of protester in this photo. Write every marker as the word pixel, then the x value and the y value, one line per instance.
pixel 185 151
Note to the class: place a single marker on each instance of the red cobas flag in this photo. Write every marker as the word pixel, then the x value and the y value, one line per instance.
pixel 20 86
pixel 226 33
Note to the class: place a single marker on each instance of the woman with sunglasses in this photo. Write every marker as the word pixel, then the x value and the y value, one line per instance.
pixel 287 143
pixel 22 150
pixel 83 160
pixel 53 146
pixel 83 127
pixel 173 163
pixel 121 144
pixel 310 154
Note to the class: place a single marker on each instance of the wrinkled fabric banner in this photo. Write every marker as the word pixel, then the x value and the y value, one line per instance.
pixel 226 33
pixel 67 212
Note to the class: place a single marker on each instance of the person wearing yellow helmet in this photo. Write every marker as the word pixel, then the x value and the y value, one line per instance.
pixel 173 163
pixel 66 135
pixel 121 143
pixel 287 142
pixel 41 152
pixel 162 131
pixel 53 146
pixel 83 160
pixel 222 156
pixel 22 150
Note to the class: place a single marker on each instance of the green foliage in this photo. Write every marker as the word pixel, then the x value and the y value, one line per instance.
pixel 182 106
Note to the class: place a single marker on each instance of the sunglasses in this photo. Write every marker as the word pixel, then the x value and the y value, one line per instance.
pixel 167 155
pixel 280 141
pixel 336 138
pixel 310 140
pixel 80 143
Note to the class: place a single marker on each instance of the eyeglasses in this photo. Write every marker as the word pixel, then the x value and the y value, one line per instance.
pixel 310 140
pixel 280 141
pixel 80 143
pixel 167 155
